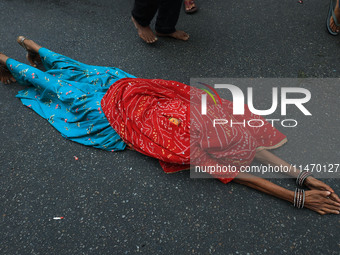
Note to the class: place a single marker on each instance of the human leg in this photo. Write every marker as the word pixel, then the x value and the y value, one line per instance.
pixel 50 59
pixel 32 49
pixel 144 10
pixel 142 14
pixel 99 77
pixel 67 105
pixel 167 17
pixel 65 68
pixel 5 75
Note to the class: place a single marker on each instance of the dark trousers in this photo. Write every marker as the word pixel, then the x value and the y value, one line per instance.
pixel 167 17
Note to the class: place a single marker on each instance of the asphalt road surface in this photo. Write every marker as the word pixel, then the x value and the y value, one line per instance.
pixel 123 203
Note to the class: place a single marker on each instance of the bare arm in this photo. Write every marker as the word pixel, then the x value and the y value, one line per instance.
pixel 316 200
pixel 269 158
pixel 265 186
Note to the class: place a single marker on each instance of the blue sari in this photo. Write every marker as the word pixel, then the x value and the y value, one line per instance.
pixel 68 95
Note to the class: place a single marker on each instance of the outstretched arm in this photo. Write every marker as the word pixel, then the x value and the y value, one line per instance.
pixel 269 158
pixel 316 200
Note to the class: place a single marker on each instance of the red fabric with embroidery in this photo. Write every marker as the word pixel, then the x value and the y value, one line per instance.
pixel 162 119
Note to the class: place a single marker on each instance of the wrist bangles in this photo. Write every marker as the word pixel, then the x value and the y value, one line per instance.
pixel 302 177
pixel 299 198
pixel 299 195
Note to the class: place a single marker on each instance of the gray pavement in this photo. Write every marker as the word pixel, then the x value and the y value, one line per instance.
pixel 123 203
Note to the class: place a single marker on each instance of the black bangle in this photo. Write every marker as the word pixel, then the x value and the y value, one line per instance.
pixel 302 177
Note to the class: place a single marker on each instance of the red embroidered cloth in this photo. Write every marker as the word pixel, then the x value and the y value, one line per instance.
pixel 162 119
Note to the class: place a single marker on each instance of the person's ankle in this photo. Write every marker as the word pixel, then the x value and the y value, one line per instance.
pixel 28 44
pixel 3 58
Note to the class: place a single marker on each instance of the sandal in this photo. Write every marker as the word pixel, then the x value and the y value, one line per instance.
pixel 190 6
pixel 335 20
pixel 32 57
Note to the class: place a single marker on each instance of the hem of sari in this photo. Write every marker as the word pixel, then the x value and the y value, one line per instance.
pixel 176 171
pixel 226 180
pixel 223 180
pixel 281 143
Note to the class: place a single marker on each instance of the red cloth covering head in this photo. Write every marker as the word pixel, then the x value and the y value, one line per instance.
pixel 162 119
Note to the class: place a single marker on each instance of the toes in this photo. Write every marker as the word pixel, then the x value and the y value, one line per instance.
pixel 6 77
pixel 332 25
pixel 151 39
pixel 190 7
pixel 20 39
pixel 334 28
pixel 5 80
pixel 146 34
pixel 183 35
pixel 148 38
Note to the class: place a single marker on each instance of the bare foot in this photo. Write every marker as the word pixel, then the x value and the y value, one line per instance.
pixel 319 202
pixel 178 34
pixel 32 50
pixel 5 75
pixel 145 32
